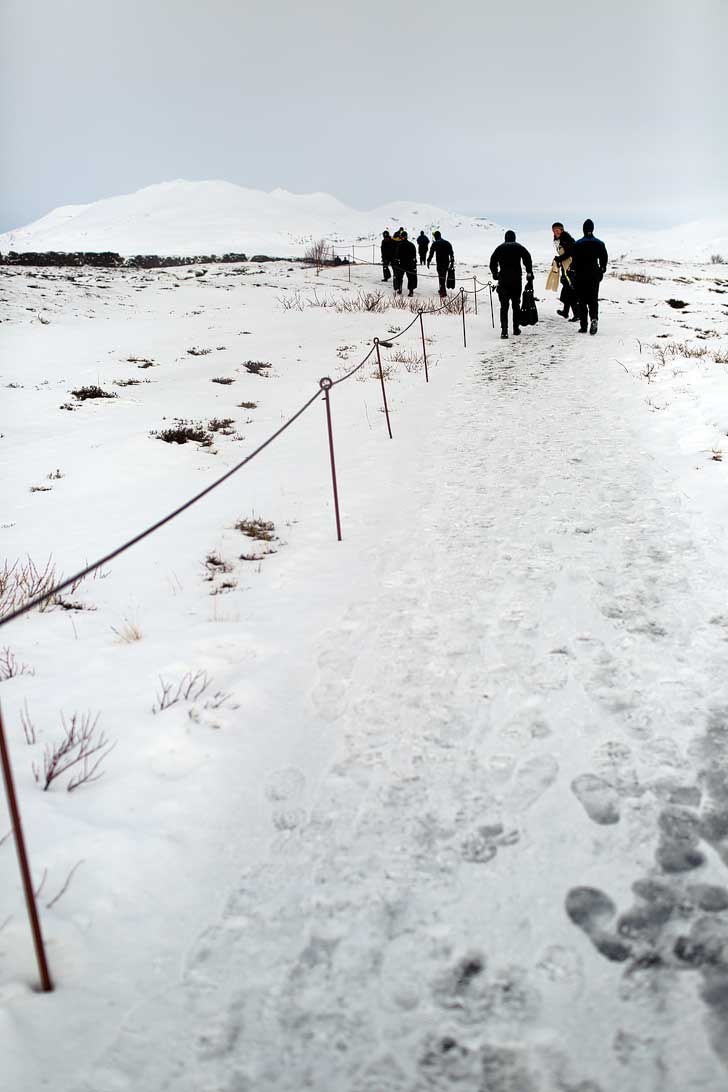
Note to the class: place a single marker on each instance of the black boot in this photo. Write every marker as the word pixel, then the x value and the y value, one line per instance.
pixel 504 335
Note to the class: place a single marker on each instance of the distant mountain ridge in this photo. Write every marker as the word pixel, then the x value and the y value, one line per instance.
pixel 179 218
pixel 214 217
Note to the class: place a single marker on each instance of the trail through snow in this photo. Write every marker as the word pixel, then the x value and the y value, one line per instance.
pixel 508 872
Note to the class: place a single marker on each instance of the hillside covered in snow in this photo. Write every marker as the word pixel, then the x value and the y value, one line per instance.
pixel 216 217
pixel 192 217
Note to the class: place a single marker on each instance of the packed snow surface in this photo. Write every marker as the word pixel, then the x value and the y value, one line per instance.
pixel 219 217
pixel 440 806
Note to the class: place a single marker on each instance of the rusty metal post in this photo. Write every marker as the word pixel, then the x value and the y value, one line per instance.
pixel 424 350
pixel 462 311
pixel 492 316
pixel 349 264
pixel 475 293
pixel 45 978
pixel 384 391
pixel 326 384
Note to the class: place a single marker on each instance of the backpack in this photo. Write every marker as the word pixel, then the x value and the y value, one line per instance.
pixel 529 312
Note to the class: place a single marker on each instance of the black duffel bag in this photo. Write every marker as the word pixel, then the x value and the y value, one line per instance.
pixel 450 282
pixel 529 312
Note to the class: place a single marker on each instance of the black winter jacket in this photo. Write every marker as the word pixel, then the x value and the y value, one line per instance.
pixel 566 242
pixel 443 254
pixel 388 245
pixel 588 259
pixel 505 263
pixel 405 257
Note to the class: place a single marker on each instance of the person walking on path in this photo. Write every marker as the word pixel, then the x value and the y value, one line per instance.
pixel 441 250
pixel 588 266
pixel 564 243
pixel 505 266
pixel 387 255
pixel 422 244
pixel 405 261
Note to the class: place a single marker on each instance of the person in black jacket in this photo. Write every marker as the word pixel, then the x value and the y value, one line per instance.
pixel 422 244
pixel 441 250
pixel 588 266
pixel 564 243
pixel 405 261
pixel 505 265
pixel 387 254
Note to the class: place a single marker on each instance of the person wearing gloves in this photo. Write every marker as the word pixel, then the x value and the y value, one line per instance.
pixel 588 265
pixel 564 243
pixel 442 251
pixel 505 267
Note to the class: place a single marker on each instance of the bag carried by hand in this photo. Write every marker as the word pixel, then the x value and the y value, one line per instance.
pixel 529 313
pixel 450 282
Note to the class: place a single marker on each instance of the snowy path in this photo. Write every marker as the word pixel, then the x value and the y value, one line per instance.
pixel 508 877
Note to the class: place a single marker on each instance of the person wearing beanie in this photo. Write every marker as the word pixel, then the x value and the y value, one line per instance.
pixel 564 243
pixel 387 254
pixel 442 251
pixel 588 265
pixel 505 266
pixel 423 242
pixel 405 261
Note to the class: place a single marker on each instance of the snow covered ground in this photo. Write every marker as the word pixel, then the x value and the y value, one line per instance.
pixel 452 809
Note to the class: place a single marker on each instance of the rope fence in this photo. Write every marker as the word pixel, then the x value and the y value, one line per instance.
pixel 325 386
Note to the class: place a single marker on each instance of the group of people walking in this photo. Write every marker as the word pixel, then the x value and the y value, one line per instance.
pixel 399 259
pixel 578 267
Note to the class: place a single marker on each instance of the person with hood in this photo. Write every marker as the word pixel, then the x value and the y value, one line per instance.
pixel 441 250
pixel 564 243
pixel 405 261
pixel 588 265
pixel 505 266
pixel 422 244
pixel 387 255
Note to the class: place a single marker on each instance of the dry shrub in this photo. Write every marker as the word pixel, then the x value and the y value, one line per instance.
pixel 82 748
pixel 24 581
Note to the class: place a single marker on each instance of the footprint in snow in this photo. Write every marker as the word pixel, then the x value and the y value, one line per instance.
pixel 598 798
pixel 533 777
pixel 285 785
pixel 592 911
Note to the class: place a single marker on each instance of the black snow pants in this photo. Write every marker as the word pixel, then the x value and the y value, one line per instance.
pixel 510 293
pixel 423 254
pixel 442 277
pixel 588 293
pixel 399 279
pixel 569 298
pixel 386 274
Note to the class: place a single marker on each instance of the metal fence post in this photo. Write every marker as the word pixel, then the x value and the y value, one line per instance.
pixel 492 316
pixel 326 384
pixel 45 978
pixel 475 293
pixel 384 392
pixel 424 350
pixel 462 309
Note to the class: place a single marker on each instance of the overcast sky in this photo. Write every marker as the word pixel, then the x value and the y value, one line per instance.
pixel 514 110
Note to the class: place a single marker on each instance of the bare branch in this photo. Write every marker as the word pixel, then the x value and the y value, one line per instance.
pixel 66 885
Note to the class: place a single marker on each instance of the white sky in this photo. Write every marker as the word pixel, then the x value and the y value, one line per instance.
pixel 614 109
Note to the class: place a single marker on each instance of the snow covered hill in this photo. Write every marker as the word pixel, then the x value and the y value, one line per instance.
pixel 214 217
